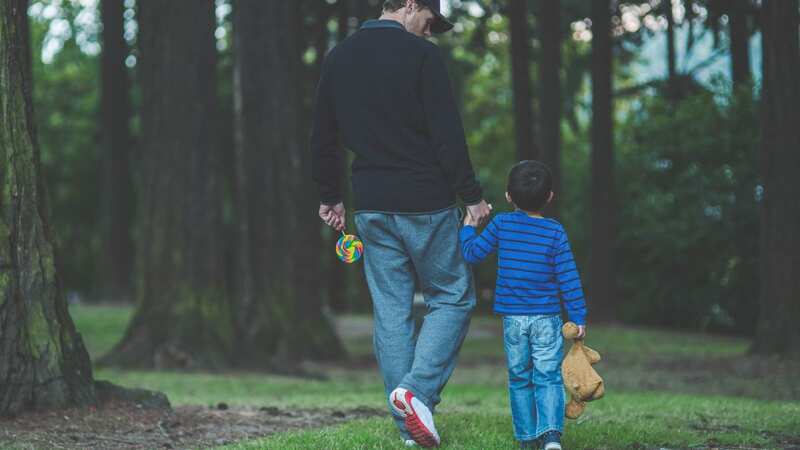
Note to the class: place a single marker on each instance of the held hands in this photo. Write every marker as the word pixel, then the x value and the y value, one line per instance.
pixel 333 215
pixel 477 214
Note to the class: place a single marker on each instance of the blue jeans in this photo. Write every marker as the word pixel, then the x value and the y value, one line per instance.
pixel 534 350
pixel 401 251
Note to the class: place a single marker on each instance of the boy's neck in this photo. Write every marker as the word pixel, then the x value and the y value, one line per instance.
pixel 535 214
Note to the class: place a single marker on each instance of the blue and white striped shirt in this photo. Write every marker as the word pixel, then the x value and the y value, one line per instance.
pixel 535 266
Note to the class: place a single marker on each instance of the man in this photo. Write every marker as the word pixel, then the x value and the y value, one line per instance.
pixel 385 94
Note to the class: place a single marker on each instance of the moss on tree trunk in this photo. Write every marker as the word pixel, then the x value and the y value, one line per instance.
pixel 43 362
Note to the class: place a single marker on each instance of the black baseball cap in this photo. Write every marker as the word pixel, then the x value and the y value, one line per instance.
pixel 441 24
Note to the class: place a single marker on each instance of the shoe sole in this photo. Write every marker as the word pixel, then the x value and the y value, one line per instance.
pixel 418 431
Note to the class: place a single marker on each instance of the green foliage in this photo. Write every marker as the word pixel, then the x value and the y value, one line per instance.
pixel 66 106
pixel 688 215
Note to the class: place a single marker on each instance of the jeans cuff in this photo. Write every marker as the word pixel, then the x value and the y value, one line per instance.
pixel 417 394
pixel 527 437
pixel 553 428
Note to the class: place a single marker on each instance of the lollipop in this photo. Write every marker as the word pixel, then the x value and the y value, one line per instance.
pixel 349 248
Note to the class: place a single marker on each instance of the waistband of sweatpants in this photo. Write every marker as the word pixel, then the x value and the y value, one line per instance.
pixel 404 213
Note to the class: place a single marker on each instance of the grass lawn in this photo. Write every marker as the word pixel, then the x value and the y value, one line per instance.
pixel 664 390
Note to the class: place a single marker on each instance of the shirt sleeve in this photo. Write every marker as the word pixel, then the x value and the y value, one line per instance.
pixel 569 281
pixel 326 153
pixel 476 248
pixel 446 129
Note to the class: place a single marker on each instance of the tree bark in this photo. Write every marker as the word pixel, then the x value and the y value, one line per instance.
pixel 313 335
pixel 550 97
pixel 183 318
pixel 43 362
pixel 118 248
pixel 739 42
pixel 603 217
pixel 524 125
pixel 283 319
pixel 777 330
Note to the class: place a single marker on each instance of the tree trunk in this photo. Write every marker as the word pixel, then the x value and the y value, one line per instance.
pixel 672 72
pixel 183 315
pixel 777 330
pixel 284 318
pixel 43 362
pixel 118 248
pixel 336 285
pixel 550 97
pixel 313 335
pixel 739 42
pixel 524 125
pixel 603 217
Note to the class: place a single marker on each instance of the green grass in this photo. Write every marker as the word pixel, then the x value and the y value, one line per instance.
pixel 630 420
pixel 100 326
pixel 665 389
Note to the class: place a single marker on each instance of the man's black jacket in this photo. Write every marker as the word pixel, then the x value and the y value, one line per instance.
pixel 385 94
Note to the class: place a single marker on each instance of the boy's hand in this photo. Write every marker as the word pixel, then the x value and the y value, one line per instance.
pixel 469 220
pixel 581 331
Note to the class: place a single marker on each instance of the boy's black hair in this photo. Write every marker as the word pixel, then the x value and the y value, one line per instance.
pixel 529 185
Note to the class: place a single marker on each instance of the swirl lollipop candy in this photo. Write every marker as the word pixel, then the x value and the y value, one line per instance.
pixel 349 248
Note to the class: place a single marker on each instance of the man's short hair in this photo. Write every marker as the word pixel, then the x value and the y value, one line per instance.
pixel 529 185
pixel 393 5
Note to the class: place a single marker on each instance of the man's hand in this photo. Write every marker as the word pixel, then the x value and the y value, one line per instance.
pixel 333 215
pixel 478 214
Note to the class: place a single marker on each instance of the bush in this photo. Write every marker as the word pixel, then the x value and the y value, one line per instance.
pixel 688 230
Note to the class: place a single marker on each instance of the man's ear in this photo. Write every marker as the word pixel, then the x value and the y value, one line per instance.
pixel 550 197
pixel 508 198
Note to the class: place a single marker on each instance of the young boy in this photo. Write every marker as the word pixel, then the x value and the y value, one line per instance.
pixel 536 272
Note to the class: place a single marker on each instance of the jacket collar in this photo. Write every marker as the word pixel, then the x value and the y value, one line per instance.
pixel 382 23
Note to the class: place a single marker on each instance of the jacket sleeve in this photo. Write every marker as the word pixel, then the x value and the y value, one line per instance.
pixel 326 153
pixel 446 129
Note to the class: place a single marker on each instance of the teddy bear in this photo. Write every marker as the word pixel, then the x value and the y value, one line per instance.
pixel 580 378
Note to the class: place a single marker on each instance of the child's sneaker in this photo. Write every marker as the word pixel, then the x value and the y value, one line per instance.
pixel 409 443
pixel 418 418
pixel 551 440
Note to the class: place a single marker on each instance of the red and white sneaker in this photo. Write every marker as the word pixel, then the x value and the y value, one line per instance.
pixel 418 418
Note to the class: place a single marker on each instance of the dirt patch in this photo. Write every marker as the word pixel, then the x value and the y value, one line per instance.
pixel 122 426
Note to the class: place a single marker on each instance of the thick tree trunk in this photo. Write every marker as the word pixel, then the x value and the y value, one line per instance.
pixel 778 330
pixel 258 188
pixel 313 335
pixel 524 125
pixel 739 42
pixel 550 88
pixel 118 248
pixel 43 362
pixel 183 317
pixel 283 318
pixel 603 217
